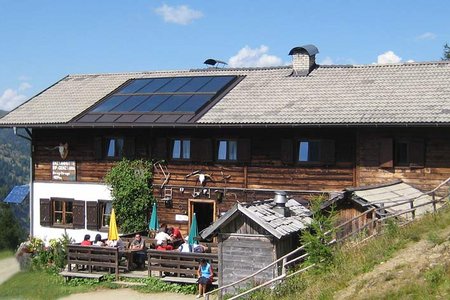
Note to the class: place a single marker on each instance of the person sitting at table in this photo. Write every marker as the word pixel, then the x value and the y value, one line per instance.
pixel 98 240
pixel 162 236
pixel 176 236
pixel 139 256
pixel 163 246
pixel 205 275
pixel 86 241
pixel 185 247
pixel 115 243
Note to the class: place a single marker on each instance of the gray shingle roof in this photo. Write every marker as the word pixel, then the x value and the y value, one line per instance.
pixel 411 93
pixel 263 214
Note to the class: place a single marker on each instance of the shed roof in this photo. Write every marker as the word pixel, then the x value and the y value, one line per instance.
pixel 18 194
pixel 397 192
pixel 393 94
pixel 262 213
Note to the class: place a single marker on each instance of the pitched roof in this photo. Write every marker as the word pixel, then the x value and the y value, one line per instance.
pixel 262 213
pixel 410 93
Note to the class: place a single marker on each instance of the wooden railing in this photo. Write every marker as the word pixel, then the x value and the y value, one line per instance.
pixel 376 216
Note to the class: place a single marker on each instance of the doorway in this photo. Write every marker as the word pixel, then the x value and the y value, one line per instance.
pixel 205 210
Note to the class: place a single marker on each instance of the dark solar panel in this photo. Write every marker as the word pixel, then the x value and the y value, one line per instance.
pixel 174 84
pixel 195 84
pixel 154 85
pixel 194 103
pixel 181 94
pixel 110 103
pixel 216 84
pixel 129 103
pixel 151 103
pixel 172 103
pixel 134 86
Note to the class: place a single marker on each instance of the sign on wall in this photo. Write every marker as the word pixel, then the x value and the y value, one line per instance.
pixel 64 170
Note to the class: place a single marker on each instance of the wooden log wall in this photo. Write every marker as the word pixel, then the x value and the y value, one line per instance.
pixel 437 159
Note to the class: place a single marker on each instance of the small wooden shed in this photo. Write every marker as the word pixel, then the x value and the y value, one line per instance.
pixel 253 235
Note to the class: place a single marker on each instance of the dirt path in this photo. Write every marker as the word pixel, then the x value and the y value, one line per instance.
pixel 411 262
pixel 126 293
pixel 8 267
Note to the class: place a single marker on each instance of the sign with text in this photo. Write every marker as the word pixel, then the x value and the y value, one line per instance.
pixel 64 170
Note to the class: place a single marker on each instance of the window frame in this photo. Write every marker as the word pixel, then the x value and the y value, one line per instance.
pixel 64 212
pixel 102 204
pixel 408 161
pixel 182 148
pixel 116 156
pixel 227 153
pixel 298 154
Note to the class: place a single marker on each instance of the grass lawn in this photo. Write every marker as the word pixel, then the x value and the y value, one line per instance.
pixel 39 285
pixel 5 254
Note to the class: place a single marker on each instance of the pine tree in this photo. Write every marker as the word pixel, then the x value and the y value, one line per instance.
pixel 11 234
pixel 446 52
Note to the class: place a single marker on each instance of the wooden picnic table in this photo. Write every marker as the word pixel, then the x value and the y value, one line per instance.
pixel 128 254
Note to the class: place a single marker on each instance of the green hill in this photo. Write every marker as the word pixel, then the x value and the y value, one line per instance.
pixel 411 262
pixel 14 160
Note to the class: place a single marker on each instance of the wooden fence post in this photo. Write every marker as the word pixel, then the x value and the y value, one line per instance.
pixel 413 212
pixel 434 201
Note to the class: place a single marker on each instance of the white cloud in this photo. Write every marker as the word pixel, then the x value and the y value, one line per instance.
pixel 182 14
pixel 24 86
pixel 258 57
pixel 327 61
pixel 11 99
pixel 388 57
pixel 410 61
pixel 426 36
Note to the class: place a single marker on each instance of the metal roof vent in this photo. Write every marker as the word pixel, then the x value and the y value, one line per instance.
pixel 280 204
pixel 303 59
pixel 214 63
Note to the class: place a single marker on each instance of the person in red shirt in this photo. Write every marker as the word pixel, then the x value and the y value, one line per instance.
pixel 86 241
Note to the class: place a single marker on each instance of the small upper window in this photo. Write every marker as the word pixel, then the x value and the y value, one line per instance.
pixel 181 149
pixel 62 212
pixel 227 150
pixel 114 147
pixel 309 151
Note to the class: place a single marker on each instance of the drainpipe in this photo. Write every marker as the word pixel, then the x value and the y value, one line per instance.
pixel 29 138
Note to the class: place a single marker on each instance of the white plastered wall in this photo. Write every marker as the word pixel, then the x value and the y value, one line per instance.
pixel 77 191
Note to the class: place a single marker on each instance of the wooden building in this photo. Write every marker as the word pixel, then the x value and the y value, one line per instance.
pixel 229 135
pixel 253 235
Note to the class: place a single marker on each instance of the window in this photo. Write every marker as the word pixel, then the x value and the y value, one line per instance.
pixel 227 150
pixel 105 209
pixel 309 151
pixel 62 212
pixel 181 149
pixel 409 152
pixel 114 147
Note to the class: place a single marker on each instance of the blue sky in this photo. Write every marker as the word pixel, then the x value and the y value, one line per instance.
pixel 41 41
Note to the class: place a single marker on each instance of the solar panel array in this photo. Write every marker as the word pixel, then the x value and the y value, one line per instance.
pixel 162 95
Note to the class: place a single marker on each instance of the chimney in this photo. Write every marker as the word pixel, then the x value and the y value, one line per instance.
pixel 303 59
pixel 280 204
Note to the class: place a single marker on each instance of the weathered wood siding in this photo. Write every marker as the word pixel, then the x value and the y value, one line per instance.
pixel 242 255
pixel 436 165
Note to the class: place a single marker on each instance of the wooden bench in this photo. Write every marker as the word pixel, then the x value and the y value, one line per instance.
pixel 91 257
pixel 67 274
pixel 178 266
